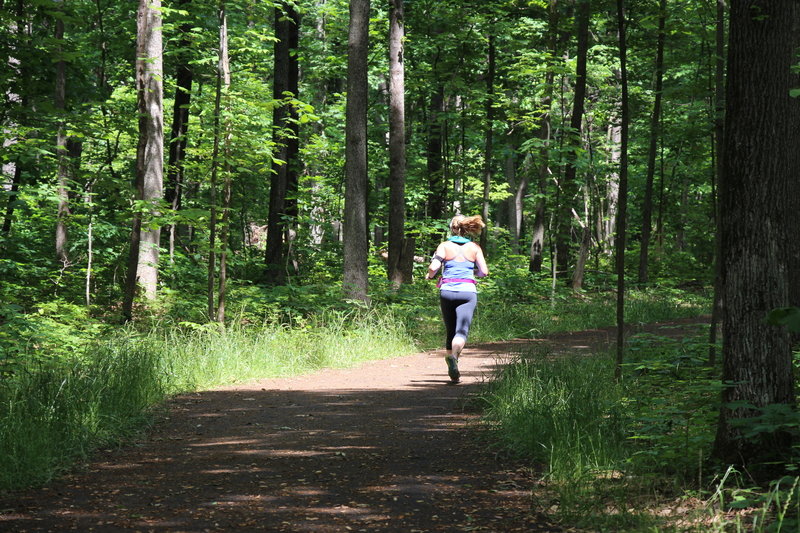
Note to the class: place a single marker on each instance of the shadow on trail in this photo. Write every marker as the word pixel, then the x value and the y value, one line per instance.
pixel 359 458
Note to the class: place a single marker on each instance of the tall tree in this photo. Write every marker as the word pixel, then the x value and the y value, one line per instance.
pixel 180 126
pixel 545 136
pixel 719 130
pixel 225 75
pixel 280 169
pixel 759 163
pixel 655 121
pixel 19 65
pixel 569 185
pixel 356 246
pixel 489 138
pixel 434 153
pixel 622 201
pixel 144 243
pixel 285 166
pixel 61 144
pixel 397 145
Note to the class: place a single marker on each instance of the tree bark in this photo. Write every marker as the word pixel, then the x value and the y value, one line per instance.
pixel 655 120
pixel 24 82
pixel 622 205
pixel 437 194
pixel 225 74
pixel 569 183
pixel 759 162
pixel 61 148
pixel 397 145
pixel 279 181
pixel 545 135
pixel 518 181
pixel 356 246
pixel 719 131
pixel 180 128
pixel 149 154
pixel 489 146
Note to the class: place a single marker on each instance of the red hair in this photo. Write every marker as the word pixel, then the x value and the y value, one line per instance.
pixel 463 226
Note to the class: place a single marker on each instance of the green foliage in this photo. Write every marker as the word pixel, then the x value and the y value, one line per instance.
pixel 54 411
pixel 543 407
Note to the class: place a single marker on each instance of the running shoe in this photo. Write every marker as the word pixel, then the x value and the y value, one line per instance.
pixel 452 368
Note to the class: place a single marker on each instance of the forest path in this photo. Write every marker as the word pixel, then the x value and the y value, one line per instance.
pixel 385 446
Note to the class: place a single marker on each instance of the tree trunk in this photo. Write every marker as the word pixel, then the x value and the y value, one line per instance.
pixel 489 146
pixel 61 148
pixel 719 130
pixel 279 181
pixel 22 98
pixel 545 135
pixel 437 194
pixel 519 184
pixel 149 154
pixel 759 162
pixel 225 74
pixel 612 190
pixel 622 206
pixel 569 183
pixel 356 246
pixel 655 120
pixel 397 145
pixel 180 128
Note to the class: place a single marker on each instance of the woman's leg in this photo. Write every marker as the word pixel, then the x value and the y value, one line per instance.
pixel 464 312
pixel 457 311
pixel 448 305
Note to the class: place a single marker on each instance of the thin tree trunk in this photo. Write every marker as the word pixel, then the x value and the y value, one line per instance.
pixel 356 246
pixel 12 199
pixel 225 73
pixel 622 208
pixel 22 98
pixel 655 120
pixel 89 202
pixel 719 131
pixel 143 262
pixel 397 145
pixel 180 128
pixel 436 184
pixel 487 156
pixel 545 136
pixel 569 183
pixel 612 191
pixel 519 184
pixel 279 181
pixel 759 164
pixel 61 148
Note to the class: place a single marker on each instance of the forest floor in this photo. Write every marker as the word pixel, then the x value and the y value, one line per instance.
pixel 389 445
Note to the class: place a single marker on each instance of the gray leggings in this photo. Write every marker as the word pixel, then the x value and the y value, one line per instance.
pixel 457 309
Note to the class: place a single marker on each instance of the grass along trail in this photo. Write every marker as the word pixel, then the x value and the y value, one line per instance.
pixel 383 446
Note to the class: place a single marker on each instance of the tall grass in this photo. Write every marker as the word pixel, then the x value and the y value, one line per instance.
pixel 51 414
pixel 561 412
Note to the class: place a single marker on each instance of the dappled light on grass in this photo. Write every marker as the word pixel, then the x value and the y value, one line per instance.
pixel 388 454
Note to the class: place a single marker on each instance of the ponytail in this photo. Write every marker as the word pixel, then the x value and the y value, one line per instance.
pixel 463 226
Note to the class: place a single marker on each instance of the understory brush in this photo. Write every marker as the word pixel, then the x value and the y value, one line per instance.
pixel 631 455
pixel 54 412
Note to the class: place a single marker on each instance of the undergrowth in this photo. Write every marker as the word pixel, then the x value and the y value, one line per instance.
pixel 54 412
pixel 67 390
pixel 632 455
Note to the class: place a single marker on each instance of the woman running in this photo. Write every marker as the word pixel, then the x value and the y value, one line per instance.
pixel 458 295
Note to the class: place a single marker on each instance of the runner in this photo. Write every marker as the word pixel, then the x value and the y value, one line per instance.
pixel 458 294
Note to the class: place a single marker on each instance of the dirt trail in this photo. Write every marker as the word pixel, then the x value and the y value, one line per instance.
pixel 385 446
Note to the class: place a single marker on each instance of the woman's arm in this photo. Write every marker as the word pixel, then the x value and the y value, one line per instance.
pixel 480 262
pixel 436 262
